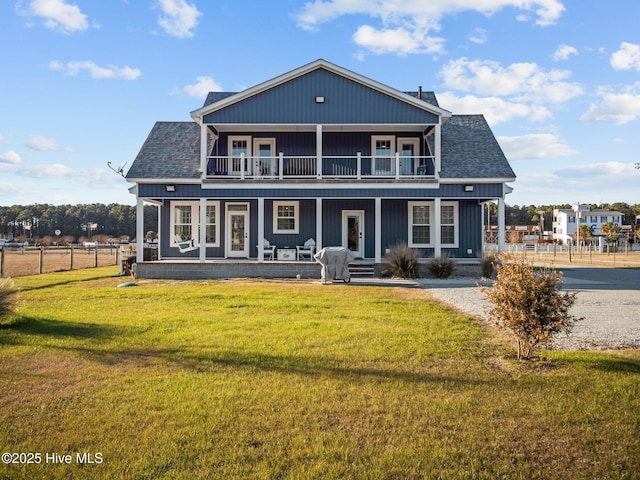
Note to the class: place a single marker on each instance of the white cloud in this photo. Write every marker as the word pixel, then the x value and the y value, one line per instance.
pixel 613 171
pixel 398 40
pixel 619 108
pixel 202 87
pixel 95 71
pixel 59 15
pixel 627 57
pixel 413 20
pixel 522 81
pixel 563 52
pixel 495 110
pixel 178 18
pixel 10 157
pixel 44 144
pixel 479 36
pixel 535 146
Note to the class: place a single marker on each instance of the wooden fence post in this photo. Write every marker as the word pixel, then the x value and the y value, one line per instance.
pixel 95 256
pixel 71 258
pixel 40 259
pixel 2 262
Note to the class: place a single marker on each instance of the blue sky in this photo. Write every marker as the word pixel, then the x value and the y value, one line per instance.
pixel 84 81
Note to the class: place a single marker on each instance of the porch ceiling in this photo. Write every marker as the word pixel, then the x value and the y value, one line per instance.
pixel 263 127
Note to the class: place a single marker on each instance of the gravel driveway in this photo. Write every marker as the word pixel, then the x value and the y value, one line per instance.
pixel 608 299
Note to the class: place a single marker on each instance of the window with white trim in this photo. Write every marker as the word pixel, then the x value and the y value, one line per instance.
pixel 449 224
pixel 185 219
pixel 286 217
pixel 421 222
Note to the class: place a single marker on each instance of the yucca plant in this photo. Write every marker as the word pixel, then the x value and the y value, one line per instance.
pixel 488 265
pixel 442 267
pixel 401 261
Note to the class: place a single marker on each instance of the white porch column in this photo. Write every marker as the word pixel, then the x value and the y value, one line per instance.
pixel 203 148
pixel 436 147
pixel 437 230
pixel 203 230
pixel 484 235
pixel 319 151
pixel 140 230
pixel 378 234
pixel 260 229
pixel 318 224
pixel 501 225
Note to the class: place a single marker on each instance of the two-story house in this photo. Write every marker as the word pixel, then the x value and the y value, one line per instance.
pixel 318 153
pixel 566 221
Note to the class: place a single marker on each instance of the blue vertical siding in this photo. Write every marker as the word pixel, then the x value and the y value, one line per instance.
pixel 306 227
pixel 395 223
pixel 332 222
pixel 346 101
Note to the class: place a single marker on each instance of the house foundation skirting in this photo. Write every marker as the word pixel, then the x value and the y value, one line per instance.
pixel 181 270
pixel 226 269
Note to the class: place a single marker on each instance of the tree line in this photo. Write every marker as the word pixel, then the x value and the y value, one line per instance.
pixel 49 224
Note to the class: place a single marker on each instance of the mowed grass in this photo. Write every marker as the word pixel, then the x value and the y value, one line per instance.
pixel 296 380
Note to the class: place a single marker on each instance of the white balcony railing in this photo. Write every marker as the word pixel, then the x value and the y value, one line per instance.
pixel 332 167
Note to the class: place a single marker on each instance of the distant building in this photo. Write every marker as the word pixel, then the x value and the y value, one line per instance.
pixel 566 221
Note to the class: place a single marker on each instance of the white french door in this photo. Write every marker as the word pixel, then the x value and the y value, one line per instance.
pixel 264 150
pixel 237 228
pixel 353 231
pixel 409 149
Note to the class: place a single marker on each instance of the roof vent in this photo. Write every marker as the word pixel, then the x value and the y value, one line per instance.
pixel 420 92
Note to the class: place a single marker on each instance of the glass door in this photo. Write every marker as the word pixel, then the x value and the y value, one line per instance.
pixel 239 156
pixel 353 231
pixel 409 152
pixel 237 230
pixel 266 163
pixel 383 155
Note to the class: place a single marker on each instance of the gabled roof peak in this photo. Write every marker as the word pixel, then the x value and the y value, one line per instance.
pixel 217 100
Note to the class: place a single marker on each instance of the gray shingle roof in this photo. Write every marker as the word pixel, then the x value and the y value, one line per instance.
pixel 429 97
pixel 214 97
pixel 470 150
pixel 172 150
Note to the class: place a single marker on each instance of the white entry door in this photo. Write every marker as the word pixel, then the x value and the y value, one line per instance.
pixel 237 227
pixel 353 231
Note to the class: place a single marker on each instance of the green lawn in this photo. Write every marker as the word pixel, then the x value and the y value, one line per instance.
pixel 296 380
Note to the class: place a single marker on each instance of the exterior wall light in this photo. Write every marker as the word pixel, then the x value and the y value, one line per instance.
pixel 319 99
pixel 170 188
pixel 468 188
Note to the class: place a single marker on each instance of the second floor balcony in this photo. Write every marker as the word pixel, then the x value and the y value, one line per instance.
pixel 348 168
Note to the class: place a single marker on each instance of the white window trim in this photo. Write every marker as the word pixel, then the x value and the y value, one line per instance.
pixel 195 221
pixel 431 205
pixel 410 215
pixel 296 210
pixel 456 225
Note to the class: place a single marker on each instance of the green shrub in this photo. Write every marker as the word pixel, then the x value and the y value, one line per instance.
pixel 401 262
pixel 488 265
pixel 529 303
pixel 442 267
pixel 8 298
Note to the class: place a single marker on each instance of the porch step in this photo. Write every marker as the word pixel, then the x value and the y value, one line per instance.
pixel 361 269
